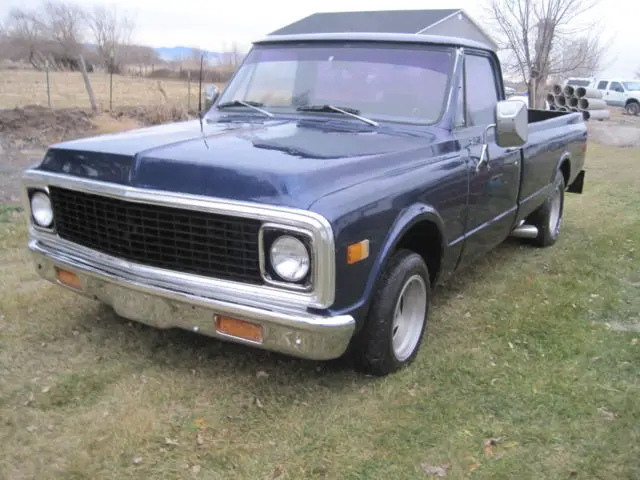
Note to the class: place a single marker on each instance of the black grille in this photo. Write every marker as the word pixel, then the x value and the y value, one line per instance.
pixel 183 240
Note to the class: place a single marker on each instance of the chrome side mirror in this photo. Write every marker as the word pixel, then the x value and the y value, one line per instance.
pixel 512 128
pixel 512 123
pixel 211 93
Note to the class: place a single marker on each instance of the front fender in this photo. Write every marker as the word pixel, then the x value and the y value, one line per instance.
pixel 406 219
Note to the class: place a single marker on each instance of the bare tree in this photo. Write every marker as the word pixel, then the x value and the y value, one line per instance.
pixel 579 57
pixel 25 36
pixel 56 30
pixel 544 38
pixel 138 55
pixel 4 42
pixel 232 57
pixel 4 33
pixel 638 73
pixel 110 33
pixel 65 23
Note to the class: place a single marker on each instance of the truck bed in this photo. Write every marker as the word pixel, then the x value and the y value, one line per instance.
pixel 536 116
pixel 553 136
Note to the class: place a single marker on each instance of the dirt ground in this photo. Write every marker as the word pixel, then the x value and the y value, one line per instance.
pixel 26 132
pixel 620 130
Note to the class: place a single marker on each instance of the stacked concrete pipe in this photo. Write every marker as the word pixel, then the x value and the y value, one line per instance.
pixel 578 99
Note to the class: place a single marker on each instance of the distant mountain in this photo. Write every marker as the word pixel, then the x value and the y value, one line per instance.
pixel 174 53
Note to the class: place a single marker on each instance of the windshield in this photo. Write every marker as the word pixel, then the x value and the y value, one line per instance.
pixel 631 85
pixel 391 82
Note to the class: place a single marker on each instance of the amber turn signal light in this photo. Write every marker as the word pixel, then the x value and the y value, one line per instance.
pixel 238 328
pixel 357 251
pixel 69 279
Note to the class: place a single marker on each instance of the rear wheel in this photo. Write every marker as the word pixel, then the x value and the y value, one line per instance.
pixel 548 217
pixel 392 334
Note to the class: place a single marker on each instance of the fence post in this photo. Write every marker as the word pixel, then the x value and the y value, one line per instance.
pixel 87 84
pixel 46 66
pixel 188 90
pixel 111 81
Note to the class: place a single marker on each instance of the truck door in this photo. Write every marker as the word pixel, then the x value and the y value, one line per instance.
pixel 615 95
pixel 494 185
pixel 602 86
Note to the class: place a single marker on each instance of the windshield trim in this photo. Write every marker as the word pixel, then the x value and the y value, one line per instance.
pixel 213 112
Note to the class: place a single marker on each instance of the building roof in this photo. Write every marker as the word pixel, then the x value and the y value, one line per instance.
pixel 388 21
pixel 374 37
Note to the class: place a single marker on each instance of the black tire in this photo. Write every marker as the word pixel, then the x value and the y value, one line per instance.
pixel 542 218
pixel 372 348
pixel 632 108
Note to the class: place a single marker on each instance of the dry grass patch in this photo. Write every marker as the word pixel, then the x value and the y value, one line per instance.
pixel 28 87
pixel 518 352
pixel 106 123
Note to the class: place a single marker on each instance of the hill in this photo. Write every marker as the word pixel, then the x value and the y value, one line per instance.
pixel 174 53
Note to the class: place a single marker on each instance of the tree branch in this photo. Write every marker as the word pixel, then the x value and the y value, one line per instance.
pixel 550 36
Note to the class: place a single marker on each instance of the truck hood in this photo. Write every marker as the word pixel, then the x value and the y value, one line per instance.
pixel 279 162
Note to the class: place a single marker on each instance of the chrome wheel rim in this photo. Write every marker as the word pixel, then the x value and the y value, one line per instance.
pixel 554 214
pixel 408 317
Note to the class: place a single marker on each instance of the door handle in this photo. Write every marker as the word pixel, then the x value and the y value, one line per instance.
pixel 483 157
pixel 485 148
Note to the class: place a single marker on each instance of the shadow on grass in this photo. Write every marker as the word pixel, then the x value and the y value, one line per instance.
pixel 182 350
pixel 168 348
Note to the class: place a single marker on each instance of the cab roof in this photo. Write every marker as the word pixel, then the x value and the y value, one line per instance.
pixel 374 37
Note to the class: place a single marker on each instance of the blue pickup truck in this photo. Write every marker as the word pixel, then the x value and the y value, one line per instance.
pixel 312 208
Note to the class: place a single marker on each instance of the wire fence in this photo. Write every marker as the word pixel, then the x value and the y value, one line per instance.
pixel 56 89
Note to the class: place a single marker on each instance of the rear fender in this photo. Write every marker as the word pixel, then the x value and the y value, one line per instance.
pixel 566 156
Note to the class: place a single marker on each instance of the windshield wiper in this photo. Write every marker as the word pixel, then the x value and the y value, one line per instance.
pixel 250 104
pixel 352 112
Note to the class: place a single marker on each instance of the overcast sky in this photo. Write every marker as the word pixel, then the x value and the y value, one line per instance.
pixel 210 24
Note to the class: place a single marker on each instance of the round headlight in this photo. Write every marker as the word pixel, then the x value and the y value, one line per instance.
pixel 41 209
pixel 289 258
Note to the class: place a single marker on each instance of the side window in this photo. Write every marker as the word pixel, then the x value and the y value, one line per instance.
pixel 602 85
pixel 482 94
pixel 616 87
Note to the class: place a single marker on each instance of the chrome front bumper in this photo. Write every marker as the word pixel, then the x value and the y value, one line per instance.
pixel 293 332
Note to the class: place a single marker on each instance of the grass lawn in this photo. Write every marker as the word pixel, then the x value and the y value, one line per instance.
pixel 530 369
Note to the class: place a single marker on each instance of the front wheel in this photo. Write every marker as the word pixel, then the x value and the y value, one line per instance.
pixel 392 334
